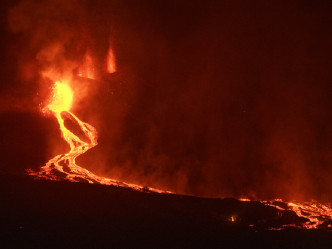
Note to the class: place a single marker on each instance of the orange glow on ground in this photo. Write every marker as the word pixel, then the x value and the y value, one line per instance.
pixel 315 212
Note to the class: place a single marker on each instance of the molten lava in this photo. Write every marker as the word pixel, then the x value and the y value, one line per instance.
pixel 64 166
pixel 62 98
pixel 318 215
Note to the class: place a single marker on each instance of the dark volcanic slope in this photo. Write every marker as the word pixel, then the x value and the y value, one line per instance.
pixel 46 214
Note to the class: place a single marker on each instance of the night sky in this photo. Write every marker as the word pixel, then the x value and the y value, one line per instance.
pixel 210 98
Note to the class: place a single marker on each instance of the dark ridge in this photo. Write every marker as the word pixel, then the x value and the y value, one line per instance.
pixel 49 214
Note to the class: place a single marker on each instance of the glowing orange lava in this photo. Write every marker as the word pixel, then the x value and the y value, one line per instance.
pixel 315 212
pixel 62 98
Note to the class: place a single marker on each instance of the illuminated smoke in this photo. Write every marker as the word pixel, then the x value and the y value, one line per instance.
pixel 211 99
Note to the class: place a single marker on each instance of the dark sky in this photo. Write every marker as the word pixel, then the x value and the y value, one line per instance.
pixel 212 98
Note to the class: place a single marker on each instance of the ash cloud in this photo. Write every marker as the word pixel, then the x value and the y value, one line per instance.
pixel 212 98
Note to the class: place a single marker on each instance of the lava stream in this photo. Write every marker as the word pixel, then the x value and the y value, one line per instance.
pixel 64 166
pixel 318 215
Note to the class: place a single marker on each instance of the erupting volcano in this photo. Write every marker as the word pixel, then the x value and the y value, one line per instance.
pixel 157 120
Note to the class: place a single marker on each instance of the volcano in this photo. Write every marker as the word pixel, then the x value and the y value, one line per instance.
pixel 177 124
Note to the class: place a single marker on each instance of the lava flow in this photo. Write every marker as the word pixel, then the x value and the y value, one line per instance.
pixel 317 215
pixel 64 166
